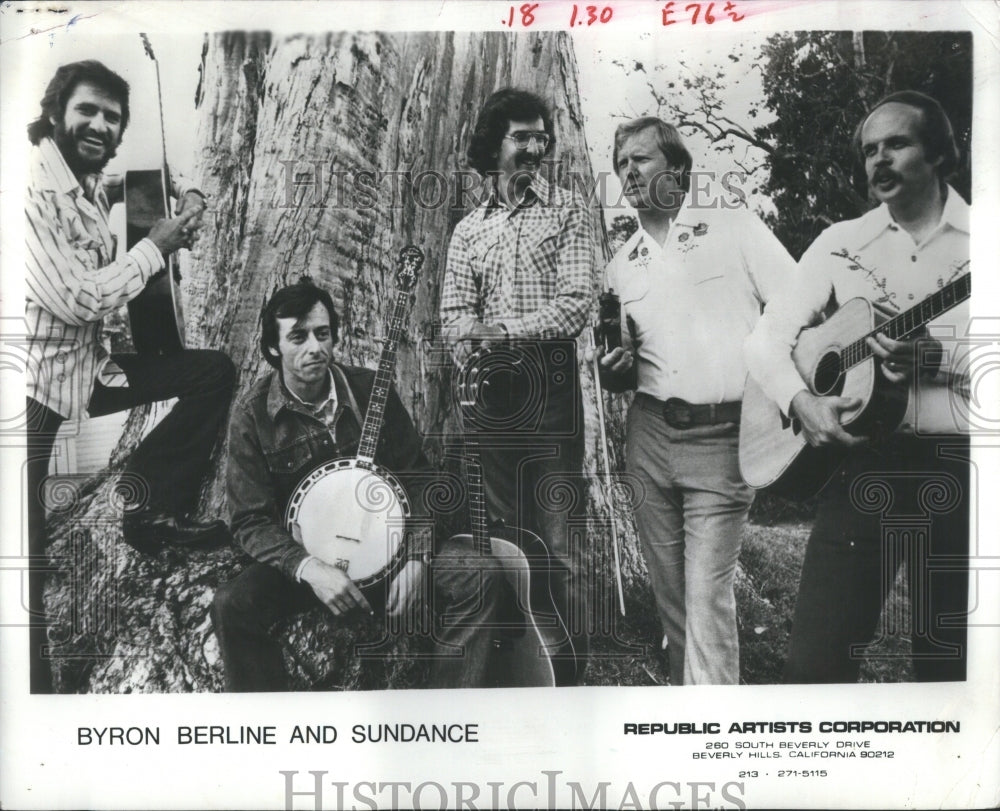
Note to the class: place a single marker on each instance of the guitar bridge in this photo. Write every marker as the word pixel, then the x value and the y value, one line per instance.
pixel 793 423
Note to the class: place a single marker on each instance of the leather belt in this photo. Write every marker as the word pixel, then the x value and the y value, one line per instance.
pixel 681 414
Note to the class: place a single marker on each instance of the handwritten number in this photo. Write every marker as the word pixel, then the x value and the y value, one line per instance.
pixel 527 11
pixel 594 15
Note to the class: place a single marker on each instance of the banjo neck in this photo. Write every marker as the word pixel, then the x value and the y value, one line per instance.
pixel 410 260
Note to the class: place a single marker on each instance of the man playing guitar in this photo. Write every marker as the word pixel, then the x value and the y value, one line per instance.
pixel 73 281
pixel 914 243
pixel 306 412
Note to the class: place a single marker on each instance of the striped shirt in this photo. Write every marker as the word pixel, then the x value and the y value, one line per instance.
pixel 72 280
pixel 531 268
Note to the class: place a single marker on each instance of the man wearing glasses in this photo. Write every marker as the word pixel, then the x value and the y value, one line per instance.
pixel 520 278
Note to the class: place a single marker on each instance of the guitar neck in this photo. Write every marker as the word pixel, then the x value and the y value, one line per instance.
pixel 383 380
pixel 477 496
pixel 906 323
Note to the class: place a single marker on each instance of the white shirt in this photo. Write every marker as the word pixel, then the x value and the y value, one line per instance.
pixel 73 280
pixel 694 301
pixel 874 258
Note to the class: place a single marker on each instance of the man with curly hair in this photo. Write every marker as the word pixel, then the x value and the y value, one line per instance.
pixel 520 274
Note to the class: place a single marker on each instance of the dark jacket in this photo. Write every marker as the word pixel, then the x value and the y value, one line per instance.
pixel 274 443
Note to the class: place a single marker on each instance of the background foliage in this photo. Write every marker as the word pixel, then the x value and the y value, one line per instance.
pixel 816 88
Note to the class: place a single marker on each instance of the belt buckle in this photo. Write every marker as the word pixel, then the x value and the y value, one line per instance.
pixel 677 413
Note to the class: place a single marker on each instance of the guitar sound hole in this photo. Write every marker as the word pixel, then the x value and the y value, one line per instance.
pixel 827 378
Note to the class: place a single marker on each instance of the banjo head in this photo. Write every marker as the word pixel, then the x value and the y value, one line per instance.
pixel 352 516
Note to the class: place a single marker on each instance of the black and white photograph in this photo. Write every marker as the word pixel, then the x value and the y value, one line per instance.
pixel 488 405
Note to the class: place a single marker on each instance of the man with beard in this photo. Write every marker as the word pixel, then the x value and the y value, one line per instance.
pixel 74 280
pixel 521 269
pixel 915 242
pixel 692 281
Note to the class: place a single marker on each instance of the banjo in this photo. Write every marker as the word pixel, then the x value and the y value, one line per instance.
pixel 350 512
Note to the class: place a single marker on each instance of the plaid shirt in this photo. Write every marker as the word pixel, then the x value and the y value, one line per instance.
pixel 531 268
pixel 72 280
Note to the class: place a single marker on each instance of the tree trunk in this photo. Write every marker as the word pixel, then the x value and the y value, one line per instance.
pixel 322 156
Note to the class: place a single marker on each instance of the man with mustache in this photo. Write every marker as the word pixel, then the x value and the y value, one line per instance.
pixel 692 281
pixel 74 279
pixel 913 243
pixel 521 269
pixel 310 410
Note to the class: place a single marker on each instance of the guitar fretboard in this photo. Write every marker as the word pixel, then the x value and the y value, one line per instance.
pixel 909 321
pixel 477 496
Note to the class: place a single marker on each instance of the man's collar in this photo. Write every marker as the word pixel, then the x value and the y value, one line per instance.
pixel 633 243
pixel 683 218
pixel 954 214
pixel 63 179
pixel 280 396
pixel 538 188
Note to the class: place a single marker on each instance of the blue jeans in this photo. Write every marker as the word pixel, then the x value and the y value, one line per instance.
pixel 462 596
pixel 690 523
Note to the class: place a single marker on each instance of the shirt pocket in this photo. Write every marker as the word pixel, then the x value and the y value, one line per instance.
pixel 634 284
pixel 711 275
pixel 290 462
pixel 485 261
pixel 87 247
pixel 543 257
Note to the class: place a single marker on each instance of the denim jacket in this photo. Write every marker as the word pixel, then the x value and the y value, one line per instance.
pixel 274 443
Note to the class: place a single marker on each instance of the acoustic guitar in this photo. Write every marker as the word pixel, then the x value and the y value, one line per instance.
pixel 833 358
pixel 156 315
pixel 531 643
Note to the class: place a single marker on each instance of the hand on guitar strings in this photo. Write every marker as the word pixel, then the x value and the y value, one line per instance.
pixel 177 232
pixel 821 421
pixel 404 588
pixel 898 357
pixel 334 588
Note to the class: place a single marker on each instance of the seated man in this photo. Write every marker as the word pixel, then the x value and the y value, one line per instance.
pixel 310 410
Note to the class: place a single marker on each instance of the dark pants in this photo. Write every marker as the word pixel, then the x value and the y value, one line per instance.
pixel 887 507
pixel 175 457
pixel 168 466
pixel 463 601
pixel 531 448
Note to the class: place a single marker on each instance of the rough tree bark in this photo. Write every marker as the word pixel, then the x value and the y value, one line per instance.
pixel 320 156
